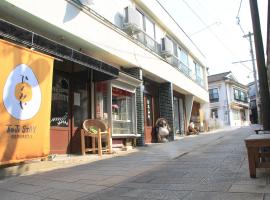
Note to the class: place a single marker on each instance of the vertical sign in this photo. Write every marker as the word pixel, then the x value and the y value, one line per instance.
pixel 25 103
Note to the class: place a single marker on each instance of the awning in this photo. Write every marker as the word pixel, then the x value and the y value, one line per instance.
pixel 30 39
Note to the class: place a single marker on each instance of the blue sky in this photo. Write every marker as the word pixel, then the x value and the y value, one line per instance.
pixel 212 25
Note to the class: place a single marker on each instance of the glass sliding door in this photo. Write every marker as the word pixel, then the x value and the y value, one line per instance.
pixel 179 116
pixel 176 116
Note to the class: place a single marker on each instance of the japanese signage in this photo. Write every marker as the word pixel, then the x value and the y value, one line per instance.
pixel 25 103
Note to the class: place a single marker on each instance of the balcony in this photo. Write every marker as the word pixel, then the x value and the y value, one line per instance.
pixel 147 41
pixel 199 80
pixel 185 70
pixel 214 100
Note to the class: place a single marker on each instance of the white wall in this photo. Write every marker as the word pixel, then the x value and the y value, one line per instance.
pixel 225 102
pixel 114 12
pixel 69 19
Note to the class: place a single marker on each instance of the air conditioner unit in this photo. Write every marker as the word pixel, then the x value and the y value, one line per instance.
pixel 87 3
pixel 166 47
pixel 132 20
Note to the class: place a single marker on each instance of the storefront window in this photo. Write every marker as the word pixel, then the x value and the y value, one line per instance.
pixel 123 104
pixel 80 98
pixel 60 100
pixel 102 100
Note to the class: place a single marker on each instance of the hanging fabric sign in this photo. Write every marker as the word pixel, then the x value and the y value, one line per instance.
pixel 25 103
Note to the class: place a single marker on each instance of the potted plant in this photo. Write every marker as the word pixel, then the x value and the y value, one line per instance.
pixel 115 113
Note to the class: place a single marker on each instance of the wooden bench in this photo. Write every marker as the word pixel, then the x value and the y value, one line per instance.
pixel 256 157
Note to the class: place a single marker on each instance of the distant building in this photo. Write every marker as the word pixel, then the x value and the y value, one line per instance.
pixel 253 113
pixel 228 101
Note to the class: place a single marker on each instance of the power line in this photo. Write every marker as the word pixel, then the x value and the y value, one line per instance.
pixel 181 28
pixel 239 8
pixel 217 38
pixel 238 18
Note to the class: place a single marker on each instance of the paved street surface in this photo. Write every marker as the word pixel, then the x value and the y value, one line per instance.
pixel 205 167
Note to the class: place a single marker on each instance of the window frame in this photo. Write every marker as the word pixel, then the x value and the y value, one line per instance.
pixel 144 17
pixel 213 100
pixel 214 111
pixel 240 95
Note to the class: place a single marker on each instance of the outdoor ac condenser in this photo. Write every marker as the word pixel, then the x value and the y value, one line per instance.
pixel 166 47
pixel 132 20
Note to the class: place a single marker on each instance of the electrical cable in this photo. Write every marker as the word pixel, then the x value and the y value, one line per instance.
pixel 217 38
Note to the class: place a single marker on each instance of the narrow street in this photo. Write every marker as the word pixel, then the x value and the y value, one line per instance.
pixel 208 166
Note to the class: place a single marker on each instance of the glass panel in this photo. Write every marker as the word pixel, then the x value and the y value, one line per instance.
pixel 101 100
pixel 182 116
pixel 176 115
pixel 122 111
pixel 184 57
pixel 236 94
pixel 60 101
pixel 149 28
pixel 141 20
pixel 80 97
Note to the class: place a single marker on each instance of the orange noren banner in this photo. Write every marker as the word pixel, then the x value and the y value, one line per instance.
pixel 25 103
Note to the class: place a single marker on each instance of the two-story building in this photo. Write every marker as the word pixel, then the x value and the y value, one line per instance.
pixel 228 101
pixel 253 112
pixel 126 62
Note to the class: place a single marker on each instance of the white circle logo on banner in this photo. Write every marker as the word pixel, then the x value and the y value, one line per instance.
pixel 22 94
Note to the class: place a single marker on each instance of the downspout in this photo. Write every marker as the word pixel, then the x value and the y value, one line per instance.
pixel 228 108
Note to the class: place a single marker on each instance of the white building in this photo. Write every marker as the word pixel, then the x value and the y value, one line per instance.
pixel 228 101
pixel 126 62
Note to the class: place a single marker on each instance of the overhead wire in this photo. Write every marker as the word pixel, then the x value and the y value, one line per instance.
pixel 217 38
pixel 238 18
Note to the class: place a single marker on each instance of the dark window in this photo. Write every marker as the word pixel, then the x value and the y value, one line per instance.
pixel 214 113
pixel 240 95
pixel 60 100
pixel 213 95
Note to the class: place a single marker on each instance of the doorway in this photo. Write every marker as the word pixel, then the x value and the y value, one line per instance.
pixel 70 106
pixel 179 115
pixel 148 118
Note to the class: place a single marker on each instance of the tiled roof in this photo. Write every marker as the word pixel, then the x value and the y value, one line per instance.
pixel 218 77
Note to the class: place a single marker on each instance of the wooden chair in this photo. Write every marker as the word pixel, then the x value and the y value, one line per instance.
pixel 95 129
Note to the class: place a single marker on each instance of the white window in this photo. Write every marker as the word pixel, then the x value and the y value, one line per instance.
pixel 149 28
pixel 147 25
pixel 141 20
pixel 182 56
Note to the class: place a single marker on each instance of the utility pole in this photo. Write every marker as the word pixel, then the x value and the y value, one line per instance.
pixel 263 82
pixel 255 77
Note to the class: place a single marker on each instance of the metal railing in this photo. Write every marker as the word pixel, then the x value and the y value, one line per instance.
pixel 148 41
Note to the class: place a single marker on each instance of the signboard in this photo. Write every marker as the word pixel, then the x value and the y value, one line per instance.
pixel 25 103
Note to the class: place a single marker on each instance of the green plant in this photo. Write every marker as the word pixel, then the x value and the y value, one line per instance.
pixel 92 130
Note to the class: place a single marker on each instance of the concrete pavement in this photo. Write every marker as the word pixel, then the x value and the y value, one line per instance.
pixel 207 166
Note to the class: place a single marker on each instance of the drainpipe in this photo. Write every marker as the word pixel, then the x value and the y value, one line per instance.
pixel 228 107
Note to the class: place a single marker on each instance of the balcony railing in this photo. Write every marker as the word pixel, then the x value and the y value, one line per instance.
pixel 199 80
pixel 149 42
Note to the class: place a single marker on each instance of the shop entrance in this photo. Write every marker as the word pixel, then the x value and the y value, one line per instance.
pixel 151 109
pixel 148 118
pixel 179 115
pixel 70 106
